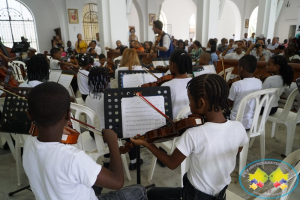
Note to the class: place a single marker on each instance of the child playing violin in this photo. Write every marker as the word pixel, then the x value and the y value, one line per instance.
pixel 59 171
pixel 55 62
pixel 212 147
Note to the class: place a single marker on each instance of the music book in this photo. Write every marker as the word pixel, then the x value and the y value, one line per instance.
pixel 138 117
pixel 65 80
pixel 206 69
pixel 160 63
pixel 136 80
pixel 54 75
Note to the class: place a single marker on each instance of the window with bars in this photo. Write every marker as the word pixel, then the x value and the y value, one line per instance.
pixel 90 22
pixel 16 21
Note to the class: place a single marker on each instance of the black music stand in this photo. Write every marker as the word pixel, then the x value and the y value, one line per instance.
pixel 14 118
pixel 122 72
pixel 113 111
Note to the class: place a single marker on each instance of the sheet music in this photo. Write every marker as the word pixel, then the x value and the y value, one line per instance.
pixel 132 80
pixel 54 75
pixel 138 117
pixel 160 63
pixel 65 80
pixel 148 78
pixel 207 69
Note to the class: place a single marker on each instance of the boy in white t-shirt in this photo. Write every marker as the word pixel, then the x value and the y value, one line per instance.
pixel 240 89
pixel 55 62
pixel 59 171
pixel 212 147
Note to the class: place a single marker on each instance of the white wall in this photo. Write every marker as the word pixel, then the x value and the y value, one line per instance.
pixel 178 14
pixel 227 23
pixel 288 16
pixel 133 20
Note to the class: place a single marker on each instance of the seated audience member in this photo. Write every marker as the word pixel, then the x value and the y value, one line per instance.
pixel 181 45
pixel 118 43
pixel 56 41
pixel 175 44
pixel 258 50
pixel 147 61
pixel 55 62
pixel 191 42
pixel 122 49
pixel 223 45
pixel 285 43
pixel 268 41
pixel 147 47
pixel 93 45
pixel 204 59
pixel 240 89
pixel 80 46
pixel 69 49
pixel 216 40
pixel 98 39
pixel 137 47
pixel 290 53
pixel 238 51
pixel 253 38
pixel 282 76
pixel 212 50
pixel 271 47
pixel 249 43
pixel 279 50
pixel 74 172
pixel 245 37
pixel 197 50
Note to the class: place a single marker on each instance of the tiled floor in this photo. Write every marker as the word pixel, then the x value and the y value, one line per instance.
pixel 162 176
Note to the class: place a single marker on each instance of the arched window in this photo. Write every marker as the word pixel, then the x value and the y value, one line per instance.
pixel 90 21
pixel 253 22
pixel 16 21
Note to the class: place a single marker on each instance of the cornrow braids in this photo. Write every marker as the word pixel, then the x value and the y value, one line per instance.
pixel 211 86
pixel 286 71
pixel 99 80
pixel 183 61
pixel 38 68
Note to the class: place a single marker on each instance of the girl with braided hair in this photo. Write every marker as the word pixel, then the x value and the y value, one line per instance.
pixel 291 52
pixel 211 147
pixel 82 76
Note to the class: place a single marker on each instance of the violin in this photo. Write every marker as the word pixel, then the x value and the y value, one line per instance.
pixel 159 81
pixel 154 46
pixel 3 71
pixel 167 132
pixel 231 81
pixel 264 76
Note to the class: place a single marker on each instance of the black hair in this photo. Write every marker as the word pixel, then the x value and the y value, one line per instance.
pixel 85 60
pixel 54 50
pixel 197 43
pixel 211 86
pixel 131 29
pixel 183 61
pixel 48 103
pixel 249 63
pixel 213 44
pixel 101 56
pixel 286 71
pixel 99 80
pixel 122 49
pixel 68 41
pixel 223 40
pixel 181 41
pixel 261 40
pixel 91 49
pixel 78 40
pixel 38 68
pixel 158 24
pixel 93 41
pixel 147 50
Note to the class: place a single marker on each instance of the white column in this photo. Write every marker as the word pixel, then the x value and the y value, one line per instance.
pixel 207 20
pixel 298 22
pixel 113 22
pixel 266 18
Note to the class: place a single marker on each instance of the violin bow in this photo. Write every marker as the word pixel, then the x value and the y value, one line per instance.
pixel 223 68
pixel 152 106
pixel 146 70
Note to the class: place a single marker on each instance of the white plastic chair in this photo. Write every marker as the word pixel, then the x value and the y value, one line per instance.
pixel 16 66
pixel 290 119
pixel 258 122
pixel 49 58
pixel 228 73
pixel 169 146
pixel 86 142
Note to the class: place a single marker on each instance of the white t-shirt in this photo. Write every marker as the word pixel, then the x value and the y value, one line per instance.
pixel 275 81
pixel 97 105
pixel 30 84
pixel 82 82
pixel 233 56
pixel 54 64
pixel 126 68
pixel 97 50
pixel 212 149
pixel 179 94
pixel 294 57
pixel 59 171
pixel 166 41
pixel 237 92
pixel 272 47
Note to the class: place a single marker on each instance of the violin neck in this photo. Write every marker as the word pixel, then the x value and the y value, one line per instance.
pixel 146 70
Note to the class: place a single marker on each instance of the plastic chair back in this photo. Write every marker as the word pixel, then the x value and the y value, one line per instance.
pixel 228 72
pixel 288 105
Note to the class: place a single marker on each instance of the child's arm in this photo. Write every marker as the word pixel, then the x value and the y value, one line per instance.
pixel 171 161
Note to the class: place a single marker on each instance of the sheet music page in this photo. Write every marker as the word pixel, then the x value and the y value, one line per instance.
pixel 54 75
pixel 138 117
pixel 148 78
pixel 159 63
pixel 132 80
pixel 207 69
pixel 65 80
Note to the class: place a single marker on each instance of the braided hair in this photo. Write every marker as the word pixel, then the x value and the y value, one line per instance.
pixel 183 61
pixel 99 80
pixel 85 60
pixel 286 71
pixel 38 68
pixel 211 86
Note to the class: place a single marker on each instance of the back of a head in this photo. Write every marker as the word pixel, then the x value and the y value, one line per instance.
pixel 286 71
pixel 101 56
pixel 48 103
pixel 158 24
pixel 183 61
pixel 99 80
pixel 130 58
pixel 38 68
pixel 211 86
pixel 85 60
pixel 205 56
pixel 54 50
pixel 249 63
pixel 213 44
pixel 197 43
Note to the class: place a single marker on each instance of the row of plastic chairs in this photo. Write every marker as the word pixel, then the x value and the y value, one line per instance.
pixel 16 67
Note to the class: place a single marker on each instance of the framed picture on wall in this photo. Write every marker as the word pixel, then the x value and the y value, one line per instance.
pixel 247 23
pixel 152 18
pixel 73 16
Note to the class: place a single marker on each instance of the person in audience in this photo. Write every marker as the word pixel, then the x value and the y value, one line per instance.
pixel 249 42
pixel 132 36
pixel 55 62
pixel 282 77
pixel 56 41
pixel 82 76
pixel 223 45
pixel 122 49
pixel 271 47
pixel 98 39
pixel 117 49
pixel 137 47
pixel 211 46
pixel 216 40
pixel 258 50
pixel 130 61
pixel 238 51
pixel 175 44
pixel 62 50
pixel 290 52
pixel 279 50
pixel 240 89
pixel 147 47
pixel 93 45
pixel 204 59
pixel 80 46
pixel 253 38
pixel 69 49
pixel 285 43
pixel 74 172
pixel 191 42
pixel 186 42
pixel 197 50
pixel 147 61
pixel 30 53
pixel 245 36
pixel 268 41
pixel 181 44
pixel 200 143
